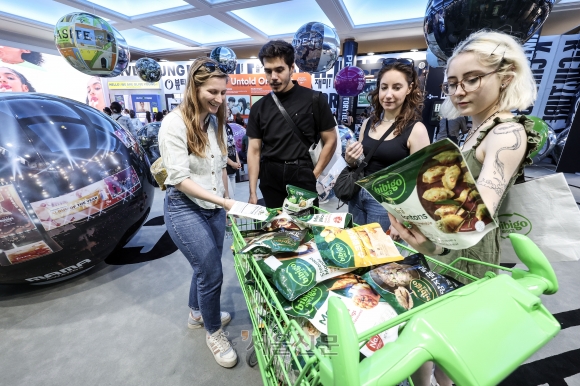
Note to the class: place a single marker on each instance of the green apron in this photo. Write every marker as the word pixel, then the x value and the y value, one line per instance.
pixel 488 249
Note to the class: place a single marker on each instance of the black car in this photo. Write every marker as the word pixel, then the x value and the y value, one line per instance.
pixel 147 137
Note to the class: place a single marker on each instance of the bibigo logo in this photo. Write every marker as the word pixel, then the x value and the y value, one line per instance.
pixel 301 273
pixel 514 223
pixel 304 305
pixel 341 252
pixel 390 187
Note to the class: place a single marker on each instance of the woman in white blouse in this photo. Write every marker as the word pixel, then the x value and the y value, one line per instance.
pixel 194 151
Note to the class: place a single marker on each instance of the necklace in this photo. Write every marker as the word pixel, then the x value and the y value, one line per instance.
pixel 471 132
pixel 388 120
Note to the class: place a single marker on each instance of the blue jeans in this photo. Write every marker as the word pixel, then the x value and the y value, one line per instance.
pixel 199 235
pixel 365 210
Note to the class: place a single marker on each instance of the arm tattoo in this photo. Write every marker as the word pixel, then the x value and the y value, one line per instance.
pixel 497 186
pixel 510 128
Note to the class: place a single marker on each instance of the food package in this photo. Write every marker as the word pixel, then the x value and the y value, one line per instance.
pixel 275 242
pixel 255 212
pixel 282 221
pixel 434 190
pixel 298 199
pixel 338 220
pixel 409 283
pixel 360 246
pixel 295 275
pixel 365 306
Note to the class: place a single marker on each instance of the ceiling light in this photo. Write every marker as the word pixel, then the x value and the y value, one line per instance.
pixel 371 53
pixel 163 60
pixel 414 50
pixel 253 57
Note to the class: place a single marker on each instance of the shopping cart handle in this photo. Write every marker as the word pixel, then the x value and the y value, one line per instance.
pixel 541 277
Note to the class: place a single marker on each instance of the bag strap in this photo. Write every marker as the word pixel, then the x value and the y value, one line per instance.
pixel 374 149
pixel 316 111
pixel 290 122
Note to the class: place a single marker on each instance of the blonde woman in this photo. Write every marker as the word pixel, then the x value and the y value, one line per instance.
pixel 194 151
pixel 487 76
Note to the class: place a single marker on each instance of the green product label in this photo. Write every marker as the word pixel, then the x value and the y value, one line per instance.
pixel 514 223
pixel 301 273
pixel 341 253
pixel 390 187
pixel 423 290
pixel 306 305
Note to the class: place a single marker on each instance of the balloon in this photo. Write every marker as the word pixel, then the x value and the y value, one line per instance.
pixel 74 185
pixel 447 23
pixel 91 45
pixel 316 47
pixel 239 132
pixel 148 70
pixel 226 57
pixel 350 81
pixel 547 136
pixel 433 60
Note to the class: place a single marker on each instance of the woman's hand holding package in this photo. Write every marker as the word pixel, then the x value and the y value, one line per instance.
pixel 415 238
pixel 353 151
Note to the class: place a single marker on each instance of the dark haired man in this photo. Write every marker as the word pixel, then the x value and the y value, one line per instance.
pixel 284 157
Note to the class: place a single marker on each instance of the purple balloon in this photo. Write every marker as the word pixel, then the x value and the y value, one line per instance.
pixel 350 81
pixel 239 132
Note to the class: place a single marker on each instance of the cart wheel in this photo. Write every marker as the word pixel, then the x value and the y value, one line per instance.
pixel 251 357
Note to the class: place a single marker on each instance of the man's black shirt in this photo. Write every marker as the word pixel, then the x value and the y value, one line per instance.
pixel 279 142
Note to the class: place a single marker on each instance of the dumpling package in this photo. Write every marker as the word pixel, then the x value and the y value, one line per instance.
pixel 361 246
pixel 298 199
pixel 409 283
pixel 275 242
pixel 434 190
pixel 365 306
pixel 297 274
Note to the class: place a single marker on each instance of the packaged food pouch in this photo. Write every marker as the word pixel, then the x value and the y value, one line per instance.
pixel 365 306
pixel 360 246
pixel 434 190
pixel 255 212
pixel 275 242
pixel 409 283
pixel 338 220
pixel 298 199
pixel 295 275
pixel 282 221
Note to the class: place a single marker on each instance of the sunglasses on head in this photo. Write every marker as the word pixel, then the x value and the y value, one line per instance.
pixel 212 66
pixel 404 61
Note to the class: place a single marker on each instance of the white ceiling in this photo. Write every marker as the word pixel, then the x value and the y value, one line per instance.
pixel 169 28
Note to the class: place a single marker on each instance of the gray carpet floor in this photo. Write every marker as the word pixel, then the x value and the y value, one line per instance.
pixel 127 324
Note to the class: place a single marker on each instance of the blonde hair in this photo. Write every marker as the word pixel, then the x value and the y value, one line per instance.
pixel 197 142
pixel 499 50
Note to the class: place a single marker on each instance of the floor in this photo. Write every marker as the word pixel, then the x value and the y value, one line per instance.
pixel 125 324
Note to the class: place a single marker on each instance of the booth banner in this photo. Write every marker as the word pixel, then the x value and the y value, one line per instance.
pixel 14 218
pixel 50 74
pixel 552 222
pixel 557 66
pixel 257 84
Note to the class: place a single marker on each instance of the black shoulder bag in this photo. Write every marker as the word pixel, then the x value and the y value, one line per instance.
pixel 345 188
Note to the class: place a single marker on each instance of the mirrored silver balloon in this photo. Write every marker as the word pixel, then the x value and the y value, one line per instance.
pixel 91 45
pixel 226 58
pixel 447 23
pixel 148 69
pixel 316 47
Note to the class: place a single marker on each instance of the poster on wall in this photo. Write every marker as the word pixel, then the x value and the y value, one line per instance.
pixel 30 71
pixel 13 216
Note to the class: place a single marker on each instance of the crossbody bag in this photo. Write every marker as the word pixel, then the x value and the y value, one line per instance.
pixel 314 149
pixel 345 188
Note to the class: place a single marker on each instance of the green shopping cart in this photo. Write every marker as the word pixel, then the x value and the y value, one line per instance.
pixel 478 334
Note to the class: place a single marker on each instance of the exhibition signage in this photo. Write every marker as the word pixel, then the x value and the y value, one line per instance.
pixel 257 84
pixel 132 85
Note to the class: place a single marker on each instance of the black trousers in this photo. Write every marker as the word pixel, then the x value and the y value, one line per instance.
pixel 274 176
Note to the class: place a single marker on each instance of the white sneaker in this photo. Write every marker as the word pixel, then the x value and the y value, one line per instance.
pixel 194 323
pixel 222 350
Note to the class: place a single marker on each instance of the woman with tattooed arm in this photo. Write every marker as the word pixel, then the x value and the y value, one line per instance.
pixel 487 76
